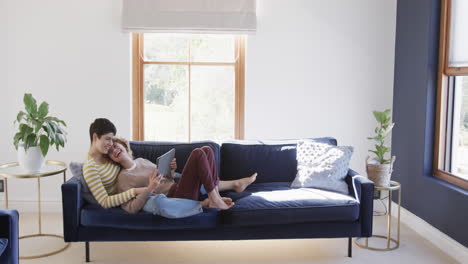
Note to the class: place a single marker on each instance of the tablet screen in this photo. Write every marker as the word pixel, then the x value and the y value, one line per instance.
pixel 164 162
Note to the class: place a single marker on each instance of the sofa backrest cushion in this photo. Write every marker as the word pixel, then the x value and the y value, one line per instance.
pixel 151 150
pixel 273 160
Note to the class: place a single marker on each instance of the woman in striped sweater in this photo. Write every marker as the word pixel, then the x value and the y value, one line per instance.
pixel 100 173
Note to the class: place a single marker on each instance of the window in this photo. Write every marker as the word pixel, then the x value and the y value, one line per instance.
pixel 451 144
pixel 187 87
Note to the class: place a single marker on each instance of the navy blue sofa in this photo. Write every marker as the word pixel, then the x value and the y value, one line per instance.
pixel 9 247
pixel 267 209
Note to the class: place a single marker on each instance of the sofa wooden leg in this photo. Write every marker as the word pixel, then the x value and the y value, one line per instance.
pixel 87 251
pixel 350 249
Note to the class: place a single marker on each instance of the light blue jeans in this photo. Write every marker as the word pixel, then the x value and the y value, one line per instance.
pixel 159 204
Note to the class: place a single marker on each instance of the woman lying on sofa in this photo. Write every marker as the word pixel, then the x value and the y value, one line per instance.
pixel 200 170
pixel 100 174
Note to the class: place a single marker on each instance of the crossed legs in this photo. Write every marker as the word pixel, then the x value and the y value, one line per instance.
pixel 201 169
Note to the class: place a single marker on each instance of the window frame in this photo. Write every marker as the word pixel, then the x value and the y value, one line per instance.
pixel 138 83
pixel 444 73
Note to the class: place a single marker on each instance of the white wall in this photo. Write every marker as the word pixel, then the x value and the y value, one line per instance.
pixel 73 55
pixel 3 62
pixel 314 68
pixel 3 80
pixel 319 68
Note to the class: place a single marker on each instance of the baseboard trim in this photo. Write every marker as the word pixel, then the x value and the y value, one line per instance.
pixel 32 206
pixel 445 243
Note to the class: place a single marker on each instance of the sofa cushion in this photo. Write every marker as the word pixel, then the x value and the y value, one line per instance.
pixel 277 203
pixel 96 216
pixel 3 245
pixel 274 160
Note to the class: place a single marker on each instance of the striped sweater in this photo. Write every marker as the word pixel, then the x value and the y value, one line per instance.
pixel 101 180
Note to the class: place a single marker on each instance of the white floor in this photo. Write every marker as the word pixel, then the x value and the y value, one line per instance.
pixel 413 249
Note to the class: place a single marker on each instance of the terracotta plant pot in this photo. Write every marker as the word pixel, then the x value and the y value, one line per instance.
pixel 380 173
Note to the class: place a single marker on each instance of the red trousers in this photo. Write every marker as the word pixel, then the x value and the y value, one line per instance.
pixel 200 169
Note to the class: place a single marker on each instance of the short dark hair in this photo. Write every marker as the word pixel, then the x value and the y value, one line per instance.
pixel 101 126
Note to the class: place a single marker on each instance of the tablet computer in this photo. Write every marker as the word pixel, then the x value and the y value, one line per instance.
pixel 164 162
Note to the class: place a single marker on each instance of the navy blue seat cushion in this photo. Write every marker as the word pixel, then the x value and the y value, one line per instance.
pixel 277 203
pixel 274 160
pixel 3 245
pixel 151 150
pixel 96 216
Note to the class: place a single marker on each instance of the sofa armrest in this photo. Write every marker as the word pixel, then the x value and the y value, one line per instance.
pixel 9 229
pixel 72 203
pixel 363 190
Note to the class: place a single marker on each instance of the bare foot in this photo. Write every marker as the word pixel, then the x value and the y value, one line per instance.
pixel 222 205
pixel 241 184
pixel 205 203
pixel 227 200
pixel 216 201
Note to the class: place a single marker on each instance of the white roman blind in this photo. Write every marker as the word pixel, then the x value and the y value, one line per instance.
pixel 190 16
pixel 458 54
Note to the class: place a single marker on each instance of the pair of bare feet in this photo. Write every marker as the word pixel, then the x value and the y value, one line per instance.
pixel 222 203
pixel 215 200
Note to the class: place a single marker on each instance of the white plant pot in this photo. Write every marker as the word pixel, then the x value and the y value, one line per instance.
pixel 31 160
pixel 379 173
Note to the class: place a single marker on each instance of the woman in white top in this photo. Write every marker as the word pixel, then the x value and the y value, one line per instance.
pixel 199 170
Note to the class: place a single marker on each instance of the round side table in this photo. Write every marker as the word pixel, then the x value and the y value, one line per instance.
pixel 50 168
pixel 392 243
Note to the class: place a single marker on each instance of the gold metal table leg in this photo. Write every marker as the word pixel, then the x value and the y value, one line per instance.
pixel 39 203
pixel 399 207
pixel 45 254
pixel 6 193
pixel 389 221
pixel 358 243
pixel 40 234
pixel 394 186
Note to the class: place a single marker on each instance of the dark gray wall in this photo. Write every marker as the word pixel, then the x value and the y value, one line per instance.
pixel 442 205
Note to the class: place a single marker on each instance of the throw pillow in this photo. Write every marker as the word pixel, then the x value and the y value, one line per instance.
pixel 322 166
pixel 3 245
pixel 77 171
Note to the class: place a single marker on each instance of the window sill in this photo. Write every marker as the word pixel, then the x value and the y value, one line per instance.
pixel 445 183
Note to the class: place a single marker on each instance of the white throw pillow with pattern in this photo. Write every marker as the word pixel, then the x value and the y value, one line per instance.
pixel 322 166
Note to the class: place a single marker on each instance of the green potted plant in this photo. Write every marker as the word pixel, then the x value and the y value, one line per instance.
pixel 379 169
pixel 37 131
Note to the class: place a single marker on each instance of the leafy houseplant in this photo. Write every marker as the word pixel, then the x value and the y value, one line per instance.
pixel 382 130
pixel 381 168
pixel 37 132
